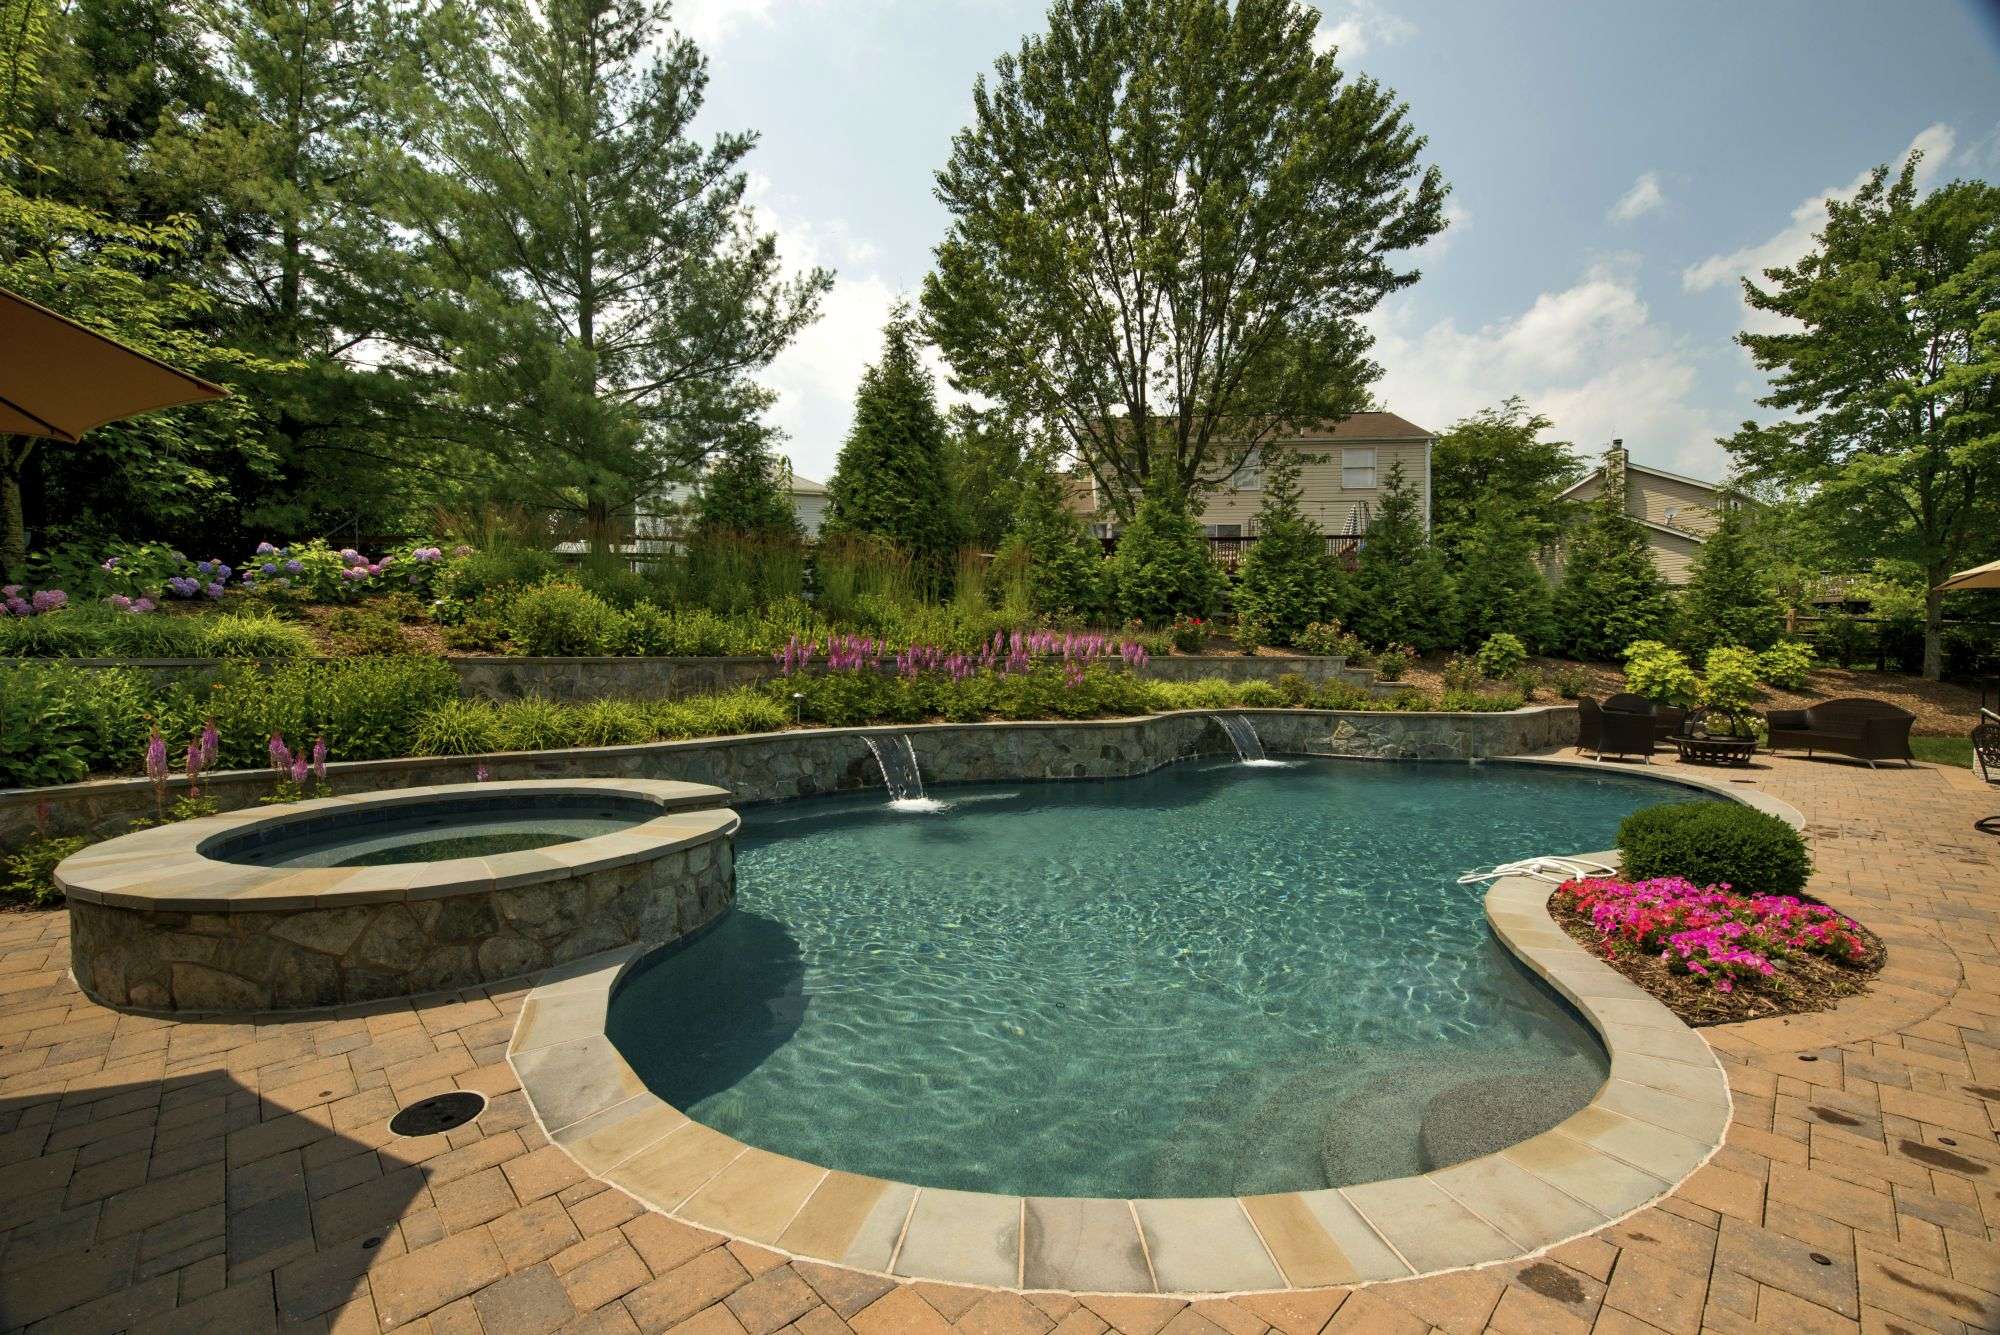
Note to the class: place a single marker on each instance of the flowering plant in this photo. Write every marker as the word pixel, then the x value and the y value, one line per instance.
pixel 1725 939
pixel 1189 634
pixel 20 602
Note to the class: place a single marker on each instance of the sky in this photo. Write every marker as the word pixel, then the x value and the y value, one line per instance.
pixel 1615 169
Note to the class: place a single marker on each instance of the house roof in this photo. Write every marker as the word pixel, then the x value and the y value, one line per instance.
pixel 805 486
pixel 1368 426
pixel 1631 467
pixel 1671 531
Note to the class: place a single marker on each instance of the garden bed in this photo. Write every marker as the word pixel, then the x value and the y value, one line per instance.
pixel 1801 980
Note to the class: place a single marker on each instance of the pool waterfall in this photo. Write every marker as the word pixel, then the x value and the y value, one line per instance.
pixel 901 775
pixel 1243 736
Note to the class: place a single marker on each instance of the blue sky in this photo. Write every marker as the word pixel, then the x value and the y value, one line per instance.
pixel 1614 168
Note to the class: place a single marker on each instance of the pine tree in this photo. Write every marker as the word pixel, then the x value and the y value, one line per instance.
pixel 1611 593
pixel 1163 569
pixel 1501 586
pixel 889 481
pixel 1066 571
pixel 1729 599
pixel 1402 592
pixel 1288 581
pixel 743 493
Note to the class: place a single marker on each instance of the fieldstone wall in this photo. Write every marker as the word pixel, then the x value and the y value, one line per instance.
pixel 772 766
pixel 507 678
pixel 291 960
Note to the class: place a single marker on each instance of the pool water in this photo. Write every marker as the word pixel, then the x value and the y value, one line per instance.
pixel 432 832
pixel 1211 980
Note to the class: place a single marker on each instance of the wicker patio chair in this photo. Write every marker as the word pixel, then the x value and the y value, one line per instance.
pixel 1667 719
pixel 1986 750
pixel 1625 734
pixel 1589 724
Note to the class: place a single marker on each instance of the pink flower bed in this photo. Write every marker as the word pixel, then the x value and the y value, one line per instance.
pixel 1724 939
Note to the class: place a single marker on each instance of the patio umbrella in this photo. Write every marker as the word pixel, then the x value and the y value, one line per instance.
pixel 58 379
pixel 1979 577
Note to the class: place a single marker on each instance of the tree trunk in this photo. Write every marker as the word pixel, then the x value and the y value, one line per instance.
pixel 1934 624
pixel 13 512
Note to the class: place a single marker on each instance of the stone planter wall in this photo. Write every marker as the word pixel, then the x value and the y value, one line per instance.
pixel 507 678
pixel 772 766
pixel 259 960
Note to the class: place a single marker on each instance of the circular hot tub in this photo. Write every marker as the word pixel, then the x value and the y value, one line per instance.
pixel 393 894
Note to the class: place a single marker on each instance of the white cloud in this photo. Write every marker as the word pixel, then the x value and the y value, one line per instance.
pixel 1796 237
pixel 1361 24
pixel 709 22
pixel 1590 356
pixel 1644 197
pixel 815 378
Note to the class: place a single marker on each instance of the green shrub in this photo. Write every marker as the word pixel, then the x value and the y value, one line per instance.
pixel 1529 681
pixel 359 631
pixel 254 635
pixel 1501 655
pixel 745 709
pixel 1460 701
pixel 1259 695
pixel 72 633
pixel 1662 674
pixel 27 873
pixel 1206 693
pixel 1571 681
pixel 1715 843
pixel 1162 568
pixel 497 567
pixel 1843 639
pixel 558 620
pixel 1393 660
pixel 535 723
pixel 152 635
pixel 1461 674
pixel 1786 663
pixel 43 736
pixel 1250 634
pixel 458 728
pixel 1329 639
pixel 1294 690
pixel 1288 581
pixel 1729 684
pixel 611 723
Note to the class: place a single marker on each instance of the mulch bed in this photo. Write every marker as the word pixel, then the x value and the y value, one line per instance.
pixel 1802 983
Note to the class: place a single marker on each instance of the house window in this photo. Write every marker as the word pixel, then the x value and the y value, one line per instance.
pixel 1357 470
pixel 1224 530
pixel 1249 474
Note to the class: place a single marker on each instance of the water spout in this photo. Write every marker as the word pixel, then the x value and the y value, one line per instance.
pixel 1243 736
pixel 901 774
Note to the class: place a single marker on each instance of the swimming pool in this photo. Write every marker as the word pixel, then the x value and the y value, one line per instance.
pixel 1211 980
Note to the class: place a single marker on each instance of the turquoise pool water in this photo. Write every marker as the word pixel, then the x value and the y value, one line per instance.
pixel 1210 980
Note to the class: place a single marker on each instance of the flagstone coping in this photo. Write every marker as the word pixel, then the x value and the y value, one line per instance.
pixel 1659 1117
pixel 166 868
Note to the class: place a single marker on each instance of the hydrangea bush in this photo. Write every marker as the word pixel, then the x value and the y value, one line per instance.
pixel 1724 939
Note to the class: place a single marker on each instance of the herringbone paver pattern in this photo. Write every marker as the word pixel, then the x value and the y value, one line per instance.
pixel 161 1176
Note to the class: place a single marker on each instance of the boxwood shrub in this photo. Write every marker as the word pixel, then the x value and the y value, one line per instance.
pixel 1715 843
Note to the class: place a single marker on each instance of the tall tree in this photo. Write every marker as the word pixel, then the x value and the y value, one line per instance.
pixel 1402 591
pixel 1501 586
pixel 987 461
pixel 1730 598
pixel 1167 219
pixel 1498 457
pixel 121 278
pixel 1288 580
pixel 1893 374
pixel 1611 592
pixel 889 480
pixel 1162 568
pixel 1066 569
pixel 591 278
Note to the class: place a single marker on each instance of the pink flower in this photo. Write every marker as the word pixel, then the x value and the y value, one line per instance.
pixel 281 755
pixel 319 759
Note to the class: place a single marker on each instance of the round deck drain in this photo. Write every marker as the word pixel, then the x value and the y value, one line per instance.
pixel 442 1112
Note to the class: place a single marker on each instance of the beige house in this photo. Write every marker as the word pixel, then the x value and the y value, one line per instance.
pixel 1345 465
pixel 1678 513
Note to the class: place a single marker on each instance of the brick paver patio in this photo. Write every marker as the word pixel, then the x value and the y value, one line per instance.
pixel 159 1175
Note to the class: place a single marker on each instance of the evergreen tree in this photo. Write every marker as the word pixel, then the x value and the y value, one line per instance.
pixel 1497 457
pixel 1288 581
pixel 1402 591
pixel 1611 593
pixel 1163 569
pixel 1729 599
pixel 1501 586
pixel 591 288
pixel 744 492
pixel 889 481
pixel 1066 569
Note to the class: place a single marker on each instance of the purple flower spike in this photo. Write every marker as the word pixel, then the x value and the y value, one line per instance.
pixel 281 755
pixel 156 757
pixel 300 770
pixel 319 759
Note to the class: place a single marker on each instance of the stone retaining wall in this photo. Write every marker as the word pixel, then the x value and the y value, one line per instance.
pixel 772 766
pixel 510 678
pixel 259 960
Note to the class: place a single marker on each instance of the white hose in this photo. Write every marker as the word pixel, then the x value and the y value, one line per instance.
pixel 1553 870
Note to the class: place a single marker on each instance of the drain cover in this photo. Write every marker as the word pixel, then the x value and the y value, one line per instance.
pixel 430 1116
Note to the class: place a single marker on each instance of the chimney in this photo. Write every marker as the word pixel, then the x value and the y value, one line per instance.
pixel 1614 467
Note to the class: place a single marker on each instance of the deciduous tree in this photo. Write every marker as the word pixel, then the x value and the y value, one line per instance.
pixel 1167 217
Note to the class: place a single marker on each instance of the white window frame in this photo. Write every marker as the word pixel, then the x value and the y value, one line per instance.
pixel 1354 459
pixel 1249 474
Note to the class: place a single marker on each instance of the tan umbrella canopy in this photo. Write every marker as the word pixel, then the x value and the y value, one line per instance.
pixel 1979 577
pixel 58 379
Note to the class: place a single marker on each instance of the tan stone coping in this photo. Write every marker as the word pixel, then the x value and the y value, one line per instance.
pixel 1658 1118
pixel 165 868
